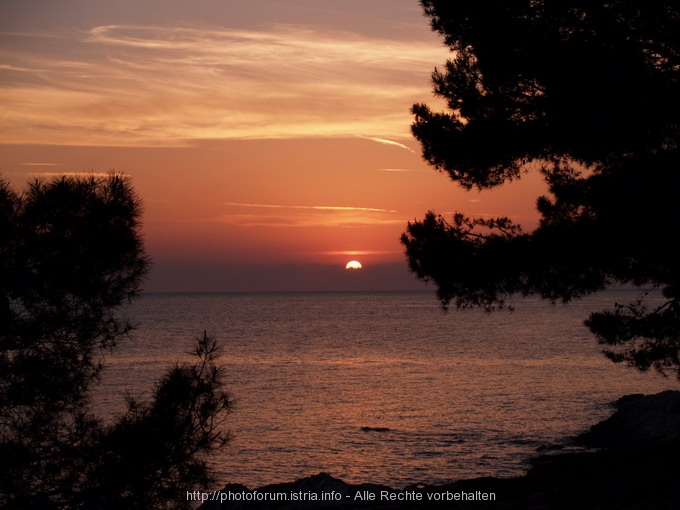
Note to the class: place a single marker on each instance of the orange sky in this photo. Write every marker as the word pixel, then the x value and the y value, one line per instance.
pixel 269 140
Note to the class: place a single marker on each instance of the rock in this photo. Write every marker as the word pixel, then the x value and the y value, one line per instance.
pixel 639 422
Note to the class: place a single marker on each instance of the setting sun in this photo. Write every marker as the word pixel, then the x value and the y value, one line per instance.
pixel 353 264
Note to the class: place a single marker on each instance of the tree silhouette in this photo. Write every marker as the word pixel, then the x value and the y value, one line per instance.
pixel 585 91
pixel 71 255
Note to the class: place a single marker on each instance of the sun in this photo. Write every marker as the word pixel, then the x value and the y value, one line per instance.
pixel 353 264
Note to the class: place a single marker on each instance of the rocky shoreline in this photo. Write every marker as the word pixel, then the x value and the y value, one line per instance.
pixel 628 461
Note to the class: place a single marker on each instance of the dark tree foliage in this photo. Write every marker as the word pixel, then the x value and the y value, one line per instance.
pixel 71 255
pixel 157 451
pixel 587 92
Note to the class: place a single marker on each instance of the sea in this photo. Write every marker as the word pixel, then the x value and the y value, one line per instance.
pixel 382 387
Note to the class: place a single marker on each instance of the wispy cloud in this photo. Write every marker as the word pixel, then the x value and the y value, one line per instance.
pixel 308 215
pixel 67 174
pixel 403 170
pixel 389 142
pixel 353 253
pixel 147 85
pixel 312 207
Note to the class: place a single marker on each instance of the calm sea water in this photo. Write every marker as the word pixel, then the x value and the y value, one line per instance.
pixel 383 387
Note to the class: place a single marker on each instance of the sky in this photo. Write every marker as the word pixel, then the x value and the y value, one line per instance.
pixel 269 140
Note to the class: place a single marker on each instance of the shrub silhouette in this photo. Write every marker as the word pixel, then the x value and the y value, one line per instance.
pixel 71 255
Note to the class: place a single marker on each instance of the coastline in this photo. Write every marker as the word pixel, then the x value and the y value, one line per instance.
pixel 627 461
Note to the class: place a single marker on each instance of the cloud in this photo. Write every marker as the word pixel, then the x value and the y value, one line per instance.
pixel 67 174
pixel 352 253
pixel 403 170
pixel 312 207
pixel 309 216
pixel 167 86
pixel 389 142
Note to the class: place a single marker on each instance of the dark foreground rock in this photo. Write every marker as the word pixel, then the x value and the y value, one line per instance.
pixel 630 461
